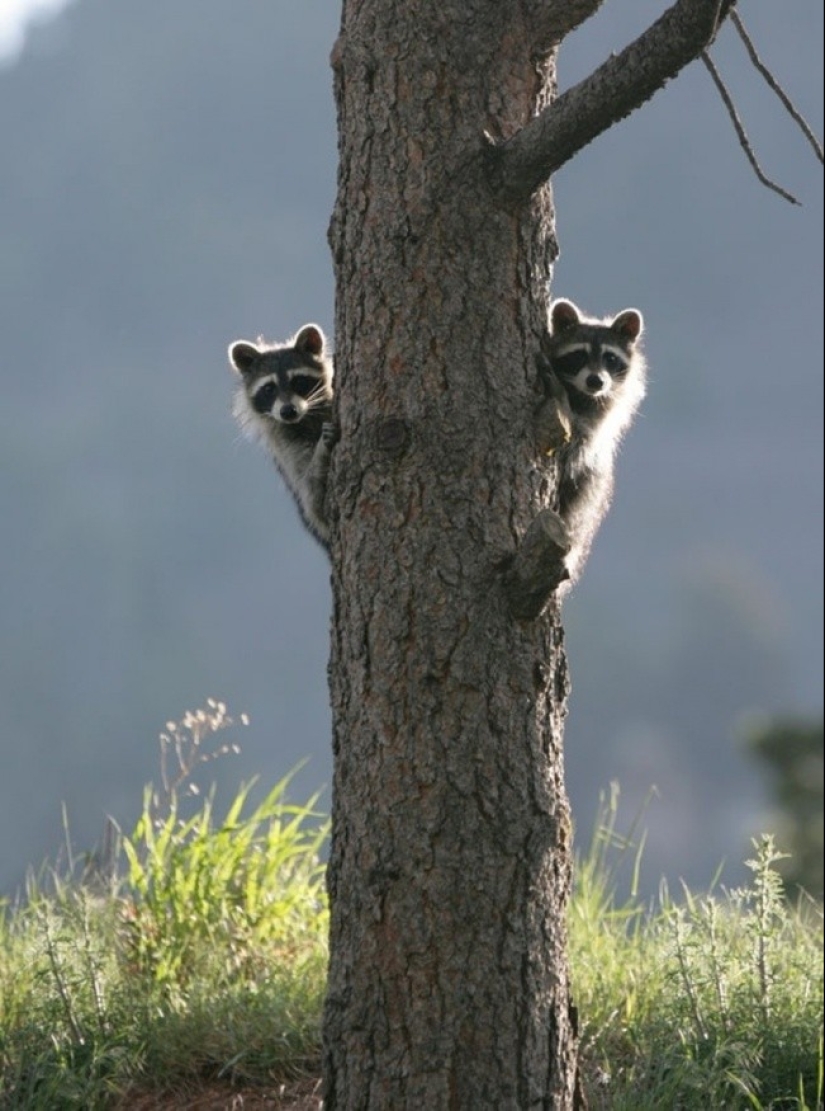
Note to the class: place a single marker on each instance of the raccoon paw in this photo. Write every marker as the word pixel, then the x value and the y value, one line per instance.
pixel 329 434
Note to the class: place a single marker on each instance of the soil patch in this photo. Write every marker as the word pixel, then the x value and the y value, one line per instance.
pixel 298 1095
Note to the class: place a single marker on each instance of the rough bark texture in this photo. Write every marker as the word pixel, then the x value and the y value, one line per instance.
pixel 450 863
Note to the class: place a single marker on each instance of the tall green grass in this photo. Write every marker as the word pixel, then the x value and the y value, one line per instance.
pixel 204 954
pixel 198 950
pixel 712 1001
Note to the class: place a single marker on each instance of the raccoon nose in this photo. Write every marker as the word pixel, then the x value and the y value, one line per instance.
pixel 288 411
pixel 594 382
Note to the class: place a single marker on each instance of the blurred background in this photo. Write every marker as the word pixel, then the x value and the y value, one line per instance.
pixel 167 178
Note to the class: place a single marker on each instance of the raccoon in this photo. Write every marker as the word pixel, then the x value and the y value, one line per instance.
pixel 285 400
pixel 595 372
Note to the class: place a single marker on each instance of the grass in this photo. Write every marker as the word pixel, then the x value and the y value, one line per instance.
pixel 203 955
pixel 712 1002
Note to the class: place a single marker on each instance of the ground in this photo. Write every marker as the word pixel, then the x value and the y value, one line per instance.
pixel 299 1095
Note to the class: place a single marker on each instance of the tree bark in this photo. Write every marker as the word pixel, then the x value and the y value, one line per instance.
pixel 450 863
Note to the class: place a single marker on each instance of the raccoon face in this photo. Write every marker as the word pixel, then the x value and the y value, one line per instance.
pixel 286 396
pixel 284 383
pixel 593 357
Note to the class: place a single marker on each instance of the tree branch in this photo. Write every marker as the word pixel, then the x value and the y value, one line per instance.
pixel 537 568
pixel 772 83
pixel 621 84
pixel 744 142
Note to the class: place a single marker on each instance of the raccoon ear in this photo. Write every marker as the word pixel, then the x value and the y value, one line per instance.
pixel 243 356
pixel 563 315
pixel 629 324
pixel 310 339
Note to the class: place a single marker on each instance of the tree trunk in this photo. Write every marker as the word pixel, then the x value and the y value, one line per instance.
pixel 450 864
pixel 449 871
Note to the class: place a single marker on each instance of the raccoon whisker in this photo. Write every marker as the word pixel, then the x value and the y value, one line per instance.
pixel 316 400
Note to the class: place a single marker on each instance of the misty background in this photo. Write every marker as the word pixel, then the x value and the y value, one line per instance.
pixel 167 177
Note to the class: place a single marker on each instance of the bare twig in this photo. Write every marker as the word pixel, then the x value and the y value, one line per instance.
pixel 791 108
pixel 61 984
pixel 93 967
pixel 740 130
